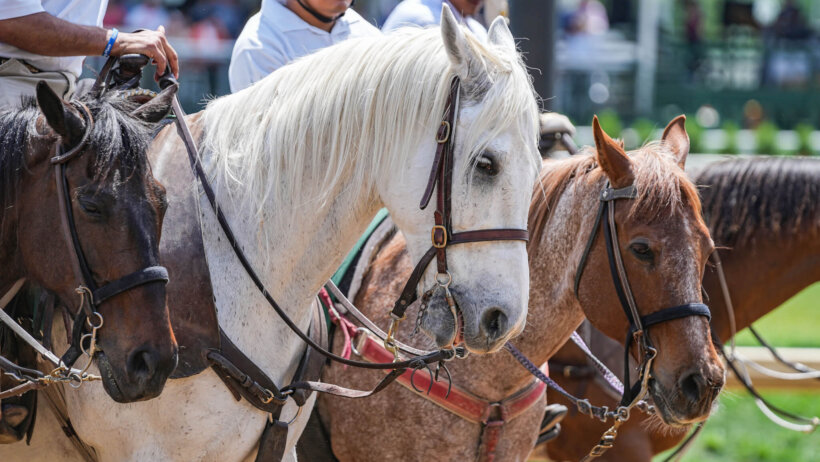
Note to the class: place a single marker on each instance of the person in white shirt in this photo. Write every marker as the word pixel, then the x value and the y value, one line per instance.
pixel 48 40
pixel 428 13
pixel 288 29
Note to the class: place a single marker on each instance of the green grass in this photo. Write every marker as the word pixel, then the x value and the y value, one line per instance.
pixel 738 432
pixel 795 324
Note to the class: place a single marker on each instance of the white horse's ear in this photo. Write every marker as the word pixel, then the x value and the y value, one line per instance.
pixel 467 64
pixel 677 139
pixel 500 34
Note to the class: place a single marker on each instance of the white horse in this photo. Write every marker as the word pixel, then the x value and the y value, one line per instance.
pixel 301 161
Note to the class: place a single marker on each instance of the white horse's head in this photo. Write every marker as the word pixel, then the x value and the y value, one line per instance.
pixel 495 165
pixel 352 128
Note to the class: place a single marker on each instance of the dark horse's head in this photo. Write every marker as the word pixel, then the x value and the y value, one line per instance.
pixel 118 209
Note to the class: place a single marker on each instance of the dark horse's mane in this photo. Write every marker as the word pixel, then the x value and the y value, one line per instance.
pixel 776 196
pixel 118 140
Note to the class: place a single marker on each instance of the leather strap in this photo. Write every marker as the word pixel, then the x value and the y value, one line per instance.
pixel 452 397
pixel 135 279
pixel 442 235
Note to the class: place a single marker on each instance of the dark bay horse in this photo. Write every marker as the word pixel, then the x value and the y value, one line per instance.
pixel 764 215
pixel 665 246
pixel 117 209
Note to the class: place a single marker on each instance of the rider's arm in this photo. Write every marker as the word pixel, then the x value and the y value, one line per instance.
pixel 44 34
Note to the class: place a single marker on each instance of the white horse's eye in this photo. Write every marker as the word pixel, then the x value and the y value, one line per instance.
pixel 487 165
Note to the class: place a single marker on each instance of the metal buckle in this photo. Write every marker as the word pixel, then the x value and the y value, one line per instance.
pixel 443 137
pixel 433 236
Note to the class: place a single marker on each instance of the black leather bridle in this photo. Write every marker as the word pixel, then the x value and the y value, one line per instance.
pixel 638 325
pixel 92 295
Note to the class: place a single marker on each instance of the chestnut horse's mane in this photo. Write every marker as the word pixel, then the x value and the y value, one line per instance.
pixel 118 139
pixel 662 186
pixel 775 195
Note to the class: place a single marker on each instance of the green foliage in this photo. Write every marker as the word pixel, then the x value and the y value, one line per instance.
pixel 804 131
pixel 730 128
pixel 766 135
pixel 610 123
pixel 645 128
pixel 787 326
pixel 695 132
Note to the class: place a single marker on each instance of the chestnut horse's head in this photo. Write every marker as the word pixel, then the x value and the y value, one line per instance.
pixel 117 209
pixel 664 245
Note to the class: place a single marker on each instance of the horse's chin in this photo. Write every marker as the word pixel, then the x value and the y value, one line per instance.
pixel 667 411
pixel 437 323
pixel 109 381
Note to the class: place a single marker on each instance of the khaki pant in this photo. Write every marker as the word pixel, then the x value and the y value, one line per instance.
pixel 18 80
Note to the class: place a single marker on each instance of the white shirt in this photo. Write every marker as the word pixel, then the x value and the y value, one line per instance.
pixel 428 13
pixel 276 36
pixel 82 12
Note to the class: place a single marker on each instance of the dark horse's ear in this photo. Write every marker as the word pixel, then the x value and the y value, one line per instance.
pixel 677 139
pixel 155 110
pixel 612 158
pixel 64 121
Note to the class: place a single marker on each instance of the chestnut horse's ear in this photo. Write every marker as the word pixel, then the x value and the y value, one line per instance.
pixel 158 107
pixel 65 122
pixel 677 139
pixel 612 158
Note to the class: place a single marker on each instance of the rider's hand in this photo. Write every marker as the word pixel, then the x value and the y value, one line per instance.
pixel 552 122
pixel 149 43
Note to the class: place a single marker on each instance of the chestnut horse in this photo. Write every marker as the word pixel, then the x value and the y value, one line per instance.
pixel 766 212
pixel 665 246
pixel 117 208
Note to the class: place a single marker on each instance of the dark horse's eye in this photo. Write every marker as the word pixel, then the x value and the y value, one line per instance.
pixel 90 207
pixel 486 164
pixel 641 250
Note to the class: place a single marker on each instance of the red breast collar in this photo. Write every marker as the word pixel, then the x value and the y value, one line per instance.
pixel 459 401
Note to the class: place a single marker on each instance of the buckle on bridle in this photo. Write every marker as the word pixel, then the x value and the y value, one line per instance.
pixel 439 244
pixel 443 134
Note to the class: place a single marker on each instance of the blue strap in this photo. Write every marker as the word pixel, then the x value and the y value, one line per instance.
pixel 110 45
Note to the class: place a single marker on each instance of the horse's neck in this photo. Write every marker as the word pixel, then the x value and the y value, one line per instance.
pixel 554 310
pixel 297 265
pixel 761 275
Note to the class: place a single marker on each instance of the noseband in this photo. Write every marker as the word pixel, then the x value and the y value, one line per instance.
pixel 92 295
pixel 442 235
pixel 638 325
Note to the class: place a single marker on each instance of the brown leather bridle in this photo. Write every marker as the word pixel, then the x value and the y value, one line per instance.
pixel 442 235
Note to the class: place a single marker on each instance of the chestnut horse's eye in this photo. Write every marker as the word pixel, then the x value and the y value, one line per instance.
pixel 486 164
pixel 642 251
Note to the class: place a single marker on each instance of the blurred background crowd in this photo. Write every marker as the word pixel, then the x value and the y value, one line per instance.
pixel 746 71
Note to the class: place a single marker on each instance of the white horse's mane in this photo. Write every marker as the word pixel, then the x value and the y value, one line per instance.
pixel 351 113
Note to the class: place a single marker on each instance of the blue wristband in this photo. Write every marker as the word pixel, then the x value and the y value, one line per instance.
pixel 110 44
